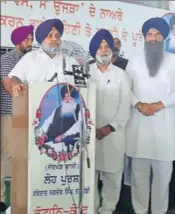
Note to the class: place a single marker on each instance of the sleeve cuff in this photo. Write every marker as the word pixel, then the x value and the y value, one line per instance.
pixel 112 128
pixel 134 102
pixel 113 124
pixel 165 103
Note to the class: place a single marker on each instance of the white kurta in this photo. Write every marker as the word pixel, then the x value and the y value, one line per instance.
pixel 152 137
pixel 37 66
pixel 113 107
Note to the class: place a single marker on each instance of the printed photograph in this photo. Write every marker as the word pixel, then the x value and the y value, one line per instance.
pixel 59 122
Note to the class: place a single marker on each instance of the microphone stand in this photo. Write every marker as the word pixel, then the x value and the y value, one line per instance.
pixel 83 144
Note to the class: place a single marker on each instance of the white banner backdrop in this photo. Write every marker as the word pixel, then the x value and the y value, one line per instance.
pixel 54 165
pixel 81 19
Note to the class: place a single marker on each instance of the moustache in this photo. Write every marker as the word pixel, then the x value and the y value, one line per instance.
pixel 54 43
pixel 105 55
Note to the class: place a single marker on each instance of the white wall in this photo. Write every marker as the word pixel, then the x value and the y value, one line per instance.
pixel 156 4
pixel 172 6
pixel 127 25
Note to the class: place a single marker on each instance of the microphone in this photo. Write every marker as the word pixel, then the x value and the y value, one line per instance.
pixel 92 61
pixel 53 77
pixel 64 65
pixel 88 163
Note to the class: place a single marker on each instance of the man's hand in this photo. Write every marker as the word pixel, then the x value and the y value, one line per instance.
pixel 44 136
pixel 17 89
pixel 99 134
pixel 7 83
pixel 145 108
pixel 17 86
pixel 157 106
pixel 103 132
pixel 59 138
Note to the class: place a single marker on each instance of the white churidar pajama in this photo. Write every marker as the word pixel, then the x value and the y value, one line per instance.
pixel 140 181
pixel 110 191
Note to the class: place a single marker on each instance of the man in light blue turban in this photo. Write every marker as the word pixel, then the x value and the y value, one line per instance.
pixel 112 114
pixel 150 132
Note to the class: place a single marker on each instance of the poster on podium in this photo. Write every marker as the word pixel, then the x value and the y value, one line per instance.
pixel 61 156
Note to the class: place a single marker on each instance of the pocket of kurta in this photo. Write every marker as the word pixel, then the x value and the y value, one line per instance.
pixel 112 90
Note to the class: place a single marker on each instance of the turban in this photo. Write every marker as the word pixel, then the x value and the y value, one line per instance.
pixel 45 27
pixel 159 24
pixel 66 89
pixel 20 34
pixel 101 35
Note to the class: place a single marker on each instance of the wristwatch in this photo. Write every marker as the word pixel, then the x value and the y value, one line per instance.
pixel 111 128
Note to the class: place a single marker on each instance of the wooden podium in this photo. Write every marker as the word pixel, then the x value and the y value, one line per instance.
pixel 20 154
pixel 31 190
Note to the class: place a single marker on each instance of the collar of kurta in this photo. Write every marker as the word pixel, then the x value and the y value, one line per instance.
pixel 108 69
pixel 47 56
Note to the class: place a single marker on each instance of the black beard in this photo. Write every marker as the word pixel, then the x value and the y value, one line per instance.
pixel 153 57
pixel 25 50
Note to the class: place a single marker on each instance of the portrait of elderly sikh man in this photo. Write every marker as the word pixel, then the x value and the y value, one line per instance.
pixel 112 114
pixel 41 65
pixel 150 132
pixel 64 124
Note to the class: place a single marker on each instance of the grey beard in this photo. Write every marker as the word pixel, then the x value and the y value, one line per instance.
pixel 153 57
pixel 104 59
pixel 51 50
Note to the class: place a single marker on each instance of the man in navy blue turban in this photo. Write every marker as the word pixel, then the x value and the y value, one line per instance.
pixel 102 35
pixel 150 132
pixel 48 34
pixel 155 31
pixel 42 64
pixel 157 23
pixel 112 113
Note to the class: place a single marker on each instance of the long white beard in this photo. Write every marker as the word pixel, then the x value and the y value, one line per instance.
pixel 104 59
pixel 68 108
pixel 172 42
